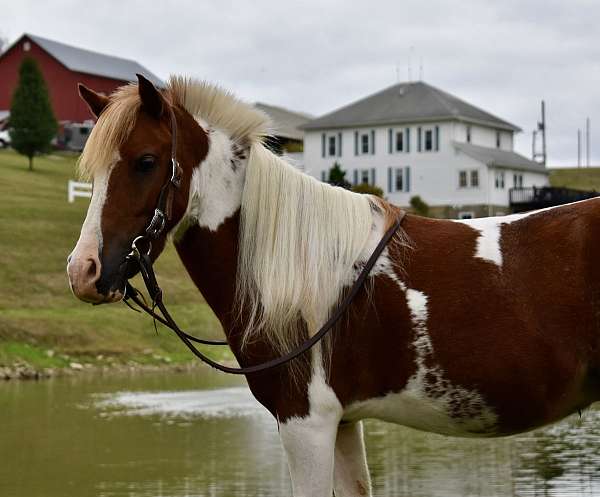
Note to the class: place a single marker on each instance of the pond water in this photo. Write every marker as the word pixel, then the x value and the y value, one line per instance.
pixel 202 434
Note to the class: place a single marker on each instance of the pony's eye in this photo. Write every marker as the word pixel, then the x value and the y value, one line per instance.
pixel 146 163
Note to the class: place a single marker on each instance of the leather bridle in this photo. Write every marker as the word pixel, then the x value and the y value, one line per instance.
pixel 139 259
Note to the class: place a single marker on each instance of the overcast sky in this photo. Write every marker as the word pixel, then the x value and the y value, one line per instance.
pixel 503 56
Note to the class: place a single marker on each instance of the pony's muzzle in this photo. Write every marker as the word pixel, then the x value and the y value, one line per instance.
pixel 84 271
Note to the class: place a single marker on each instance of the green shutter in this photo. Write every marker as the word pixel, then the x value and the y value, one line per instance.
pixel 407 142
pixel 322 144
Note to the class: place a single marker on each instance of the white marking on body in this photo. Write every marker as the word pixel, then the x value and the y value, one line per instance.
pixel 429 401
pixel 309 442
pixel 488 241
pixel 490 230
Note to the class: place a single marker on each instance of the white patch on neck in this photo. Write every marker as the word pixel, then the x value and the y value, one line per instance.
pixel 216 188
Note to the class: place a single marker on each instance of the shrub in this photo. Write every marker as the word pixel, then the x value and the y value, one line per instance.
pixel 419 206
pixel 366 188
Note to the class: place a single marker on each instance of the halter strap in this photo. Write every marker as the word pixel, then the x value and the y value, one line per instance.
pixel 164 205
pixel 155 292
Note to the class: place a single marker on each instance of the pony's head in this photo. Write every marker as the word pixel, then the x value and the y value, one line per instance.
pixel 128 157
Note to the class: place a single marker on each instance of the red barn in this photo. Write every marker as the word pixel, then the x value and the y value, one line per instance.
pixel 63 66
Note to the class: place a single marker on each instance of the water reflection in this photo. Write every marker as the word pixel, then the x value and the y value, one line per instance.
pixel 200 435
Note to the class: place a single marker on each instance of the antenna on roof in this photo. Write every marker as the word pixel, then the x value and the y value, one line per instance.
pixel 410 51
pixel 421 69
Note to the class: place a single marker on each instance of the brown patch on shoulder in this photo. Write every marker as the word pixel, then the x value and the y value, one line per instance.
pixel 210 258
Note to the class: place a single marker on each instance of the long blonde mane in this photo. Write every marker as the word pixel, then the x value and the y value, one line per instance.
pixel 299 242
pixel 299 239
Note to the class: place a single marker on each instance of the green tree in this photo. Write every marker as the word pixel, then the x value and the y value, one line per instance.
pixel 419 206
pixel 337 176
pixel 32 124
pixel 366 188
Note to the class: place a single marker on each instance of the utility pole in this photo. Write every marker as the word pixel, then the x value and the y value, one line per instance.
pixel 579 148
pixel 542 125
pixel 541 129
pixel 587 141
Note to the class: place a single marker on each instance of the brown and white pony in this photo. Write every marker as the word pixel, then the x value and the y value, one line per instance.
pixel 472 328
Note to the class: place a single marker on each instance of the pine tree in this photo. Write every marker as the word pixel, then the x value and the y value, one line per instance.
pixel 337 176
pixel 32 124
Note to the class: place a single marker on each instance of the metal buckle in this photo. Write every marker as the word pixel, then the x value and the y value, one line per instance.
pixel 176 173
pixel 157 224
pixel 135 250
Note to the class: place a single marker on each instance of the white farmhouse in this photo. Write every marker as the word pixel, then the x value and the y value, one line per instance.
pixel 413 139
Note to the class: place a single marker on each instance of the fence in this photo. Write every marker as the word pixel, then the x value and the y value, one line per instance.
pixel 78 189
pixel 530 198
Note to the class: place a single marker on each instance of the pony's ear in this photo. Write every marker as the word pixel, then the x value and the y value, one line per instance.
pixel 152 101
pixel 94 101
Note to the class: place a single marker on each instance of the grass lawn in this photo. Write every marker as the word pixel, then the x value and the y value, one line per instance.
pixel 584 178
pixel 40 321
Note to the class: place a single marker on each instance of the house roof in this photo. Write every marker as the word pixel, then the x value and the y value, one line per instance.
pixel 285 123
pixel 495 157
pixel 89 62
pixel 407 103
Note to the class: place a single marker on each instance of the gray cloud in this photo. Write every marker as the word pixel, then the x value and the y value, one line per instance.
pixel 316 56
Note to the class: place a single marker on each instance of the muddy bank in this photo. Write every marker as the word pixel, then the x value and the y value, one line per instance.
pixel 24 371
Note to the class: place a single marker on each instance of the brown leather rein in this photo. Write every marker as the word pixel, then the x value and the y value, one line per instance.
pixel 139 259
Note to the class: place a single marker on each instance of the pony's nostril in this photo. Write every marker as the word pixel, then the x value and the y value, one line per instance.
pixel 93 270
pixel 69 257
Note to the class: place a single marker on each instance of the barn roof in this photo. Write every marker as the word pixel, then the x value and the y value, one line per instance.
pixel 408 103
pixel 89 62
pixel 286 123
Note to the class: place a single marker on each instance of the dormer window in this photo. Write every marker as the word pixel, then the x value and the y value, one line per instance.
pixel 468 133
pixel 497 139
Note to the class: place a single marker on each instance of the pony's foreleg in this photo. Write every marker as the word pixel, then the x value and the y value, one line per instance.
pixel 309 444
pixel 351 473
